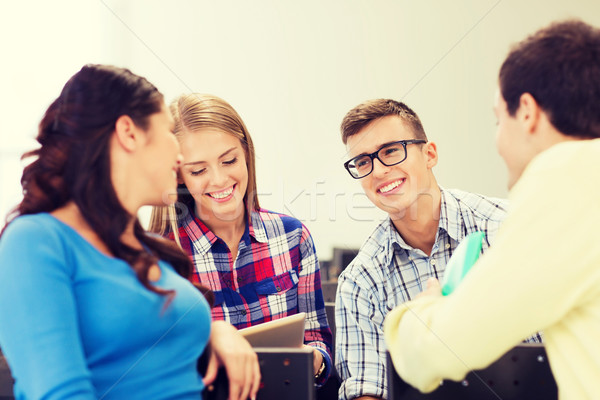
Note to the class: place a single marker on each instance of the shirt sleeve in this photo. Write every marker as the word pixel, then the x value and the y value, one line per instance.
pixel 359 341
pixel 529 279
pixel 38 318
pixel 310 300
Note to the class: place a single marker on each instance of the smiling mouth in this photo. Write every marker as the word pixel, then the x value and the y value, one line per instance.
pixel 389 187
pixel 222 194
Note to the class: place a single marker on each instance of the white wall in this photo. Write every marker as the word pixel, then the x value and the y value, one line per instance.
pixel 292 70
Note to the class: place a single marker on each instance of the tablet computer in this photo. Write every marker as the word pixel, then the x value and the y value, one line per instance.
pixel 283 332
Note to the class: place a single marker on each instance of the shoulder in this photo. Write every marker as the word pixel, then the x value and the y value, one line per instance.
pixel 480 206
pixel 565 157
pixel 32 241
pixel 575 164
pixel 367 268
pixel 278 224
pixel 377 244
pixel 274 218
pixel 35 227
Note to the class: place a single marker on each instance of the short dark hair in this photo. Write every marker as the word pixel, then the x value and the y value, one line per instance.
pixel 560 67
pixel 364 113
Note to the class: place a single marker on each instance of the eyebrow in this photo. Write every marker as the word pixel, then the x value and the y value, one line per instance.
pixel 221 156
pixel 379 148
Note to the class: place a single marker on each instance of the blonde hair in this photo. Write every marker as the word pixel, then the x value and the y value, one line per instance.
pixel 191 113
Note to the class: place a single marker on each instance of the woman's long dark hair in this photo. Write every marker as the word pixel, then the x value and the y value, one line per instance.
pixel 73 162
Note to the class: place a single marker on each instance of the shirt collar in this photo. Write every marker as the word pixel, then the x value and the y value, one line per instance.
pixel 391 241
pixel 201 237
pixel 451 221
pixel 451 216
pixel 455 218
pixel 257 226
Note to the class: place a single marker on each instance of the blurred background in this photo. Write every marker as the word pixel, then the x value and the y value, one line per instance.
pixel 292 70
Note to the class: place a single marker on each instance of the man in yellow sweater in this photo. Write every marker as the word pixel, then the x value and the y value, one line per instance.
pixel 543 271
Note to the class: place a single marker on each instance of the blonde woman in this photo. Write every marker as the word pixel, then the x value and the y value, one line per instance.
pixel 260 265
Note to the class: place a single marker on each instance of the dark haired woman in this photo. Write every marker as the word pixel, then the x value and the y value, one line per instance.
pixel 92 306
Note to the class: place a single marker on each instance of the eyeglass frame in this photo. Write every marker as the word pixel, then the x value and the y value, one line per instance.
pixel 375 155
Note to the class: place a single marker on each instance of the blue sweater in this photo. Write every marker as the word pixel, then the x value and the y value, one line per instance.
pixel 77 324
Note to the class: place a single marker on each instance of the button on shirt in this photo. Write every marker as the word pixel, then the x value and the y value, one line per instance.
pixel 275 274
pixel 387 272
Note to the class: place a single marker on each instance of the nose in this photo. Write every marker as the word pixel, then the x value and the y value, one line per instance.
pixel 218 177
pixel 379 169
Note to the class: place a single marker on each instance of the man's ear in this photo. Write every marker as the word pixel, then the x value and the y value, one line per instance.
pixel 430 150
pixel 529 112
pixel 126 133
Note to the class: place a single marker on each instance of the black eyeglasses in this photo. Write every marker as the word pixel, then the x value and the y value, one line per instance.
pixel 389 154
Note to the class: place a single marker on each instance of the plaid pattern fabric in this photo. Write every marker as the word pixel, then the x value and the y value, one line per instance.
pixel 275 274
pixel 388 272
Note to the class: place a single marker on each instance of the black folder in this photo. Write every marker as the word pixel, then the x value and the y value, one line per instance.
pixel 522 373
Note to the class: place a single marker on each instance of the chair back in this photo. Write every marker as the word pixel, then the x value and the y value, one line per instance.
pixel 286 373
pixel 522 373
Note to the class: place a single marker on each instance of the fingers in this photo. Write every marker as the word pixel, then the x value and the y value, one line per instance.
pixel 234 391
pixel 211 370
pixel 249 372
pixel 239 359
pixel 255 380
pixel 432 288
pixel 432 284
pixel 317 358
pixel 244 377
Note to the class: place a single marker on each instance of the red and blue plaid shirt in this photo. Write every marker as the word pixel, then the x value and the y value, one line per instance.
pixel 276 274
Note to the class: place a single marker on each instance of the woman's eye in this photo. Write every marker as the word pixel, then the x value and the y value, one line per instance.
pixel 197 172
pixel 229 162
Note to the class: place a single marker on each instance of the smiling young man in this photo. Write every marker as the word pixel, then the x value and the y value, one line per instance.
pixel 548 111
pixel 392 159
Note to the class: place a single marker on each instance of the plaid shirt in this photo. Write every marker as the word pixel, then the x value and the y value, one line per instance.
pixel 388 272
pixel 275 274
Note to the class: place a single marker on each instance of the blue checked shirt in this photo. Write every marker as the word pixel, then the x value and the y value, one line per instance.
pixel 388 272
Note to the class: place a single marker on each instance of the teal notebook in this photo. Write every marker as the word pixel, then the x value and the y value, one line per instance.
pixel 462 260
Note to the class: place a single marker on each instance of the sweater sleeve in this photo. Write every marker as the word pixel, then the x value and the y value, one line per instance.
pixel 39 331
pixel 539 268
pixel 317 333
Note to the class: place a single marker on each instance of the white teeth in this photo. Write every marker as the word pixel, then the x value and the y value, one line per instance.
pixel 221 195
pixel 391 186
